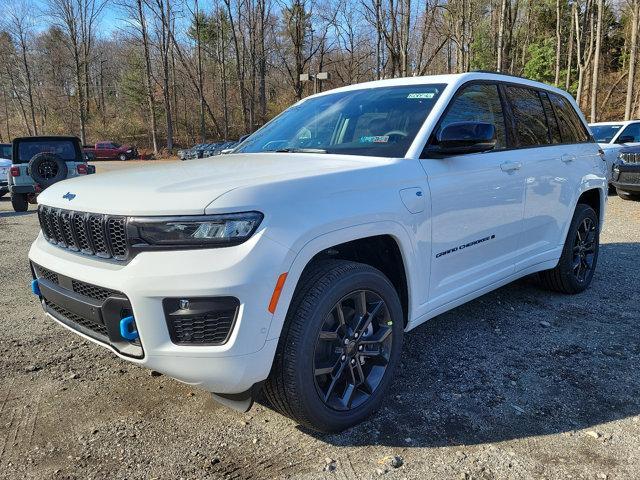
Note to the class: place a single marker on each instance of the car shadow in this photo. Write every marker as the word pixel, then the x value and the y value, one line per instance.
pixel 17 214
pixel 517 362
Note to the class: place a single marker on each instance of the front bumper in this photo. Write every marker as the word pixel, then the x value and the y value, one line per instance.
pixel 247 272
pixel 626 176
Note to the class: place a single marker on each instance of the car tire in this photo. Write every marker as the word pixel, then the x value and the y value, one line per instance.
pixel 579 258
pixel 122 157
pixel 19 202
pixel 627 195
pixel 47 168
pixel 313 378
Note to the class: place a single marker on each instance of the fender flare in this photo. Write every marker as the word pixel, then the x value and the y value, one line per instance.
pixel 587 184
pixel 298 261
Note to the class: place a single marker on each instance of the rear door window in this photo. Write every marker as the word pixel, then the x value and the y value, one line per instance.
pixel 530 121
pixel 571 127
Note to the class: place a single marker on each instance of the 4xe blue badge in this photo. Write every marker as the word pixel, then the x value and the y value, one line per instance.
pixel 69 196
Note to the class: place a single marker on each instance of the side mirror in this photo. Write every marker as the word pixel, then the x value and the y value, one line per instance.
pixel 463 137
pixel 626 139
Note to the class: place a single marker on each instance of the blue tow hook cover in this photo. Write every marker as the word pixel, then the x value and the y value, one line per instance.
pixel 35 288
pixel 127 329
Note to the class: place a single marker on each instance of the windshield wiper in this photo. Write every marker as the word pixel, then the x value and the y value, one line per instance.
pixel 300 150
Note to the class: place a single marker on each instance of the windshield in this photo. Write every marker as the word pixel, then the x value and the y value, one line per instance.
pixel 604 133
pixel 5 151
pixel 380 122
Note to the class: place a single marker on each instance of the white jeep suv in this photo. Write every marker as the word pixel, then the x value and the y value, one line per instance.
pixel 295 265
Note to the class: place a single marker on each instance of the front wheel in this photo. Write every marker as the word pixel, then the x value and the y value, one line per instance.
pixel 122 157
pixel 576 266
pixel 19 202
pixel 339 346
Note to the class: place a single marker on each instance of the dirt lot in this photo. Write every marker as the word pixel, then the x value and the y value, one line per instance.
pixel 520 383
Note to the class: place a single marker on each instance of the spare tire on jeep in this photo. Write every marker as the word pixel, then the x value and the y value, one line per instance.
pixel 47 169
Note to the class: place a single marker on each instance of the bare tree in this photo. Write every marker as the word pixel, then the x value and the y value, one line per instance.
pixel 596 63
pixel 633 47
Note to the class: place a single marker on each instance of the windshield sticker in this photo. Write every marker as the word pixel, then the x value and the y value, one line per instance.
pixel 374 139
pixel 421 95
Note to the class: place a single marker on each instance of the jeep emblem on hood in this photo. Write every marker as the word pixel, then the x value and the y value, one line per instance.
pixel 69 196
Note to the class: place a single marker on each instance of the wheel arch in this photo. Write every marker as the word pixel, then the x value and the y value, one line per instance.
pixel 357 244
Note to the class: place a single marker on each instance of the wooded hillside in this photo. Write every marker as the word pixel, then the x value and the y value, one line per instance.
pixel 162 73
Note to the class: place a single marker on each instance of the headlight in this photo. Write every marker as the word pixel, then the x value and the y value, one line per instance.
pixel 129 151
pixel 195 231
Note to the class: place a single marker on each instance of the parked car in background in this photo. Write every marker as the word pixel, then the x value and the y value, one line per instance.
pixel 39 162
pixel 613 136
pixel 5 166
pixel 296 264
pixel 107 150
pixel 5 151
pixel 626 173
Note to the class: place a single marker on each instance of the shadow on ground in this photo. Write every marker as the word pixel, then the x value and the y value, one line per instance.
pixel 517 362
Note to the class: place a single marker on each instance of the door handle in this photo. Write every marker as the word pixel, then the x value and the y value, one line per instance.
pixel 566 158
pixel 510 166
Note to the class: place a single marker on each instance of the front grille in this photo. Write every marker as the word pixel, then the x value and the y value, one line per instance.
pixel 90 233
pixel 630 157
pixel 629 178
pixel 99 331
pixel 83 288
pixel 45 273
pixel 93 291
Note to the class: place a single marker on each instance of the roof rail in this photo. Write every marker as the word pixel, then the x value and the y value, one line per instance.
pixel 501 73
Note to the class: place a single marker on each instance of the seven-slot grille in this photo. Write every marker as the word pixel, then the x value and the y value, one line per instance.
pixel 630 157
pixel 89 233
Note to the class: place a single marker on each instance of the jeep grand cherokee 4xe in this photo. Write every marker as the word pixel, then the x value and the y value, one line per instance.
pixel 296 264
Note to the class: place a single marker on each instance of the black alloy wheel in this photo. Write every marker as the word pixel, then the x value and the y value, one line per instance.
pixel 577 263
pixel 48 169
pixel 584 249
pixel 339 346
pixel 352 350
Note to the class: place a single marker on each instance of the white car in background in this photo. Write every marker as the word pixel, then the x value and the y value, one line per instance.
pixel 613 136
pixel 295 264
pixel 5 167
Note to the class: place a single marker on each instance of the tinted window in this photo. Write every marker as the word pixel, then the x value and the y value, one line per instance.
pixel 571 127
pixel 631 134
pixel 478 103
pixel 5 151
pixel 380 121
pixel 529 117
pixel 65 149
pixel 552 122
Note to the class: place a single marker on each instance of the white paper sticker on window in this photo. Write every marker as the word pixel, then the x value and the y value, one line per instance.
pixel 421 95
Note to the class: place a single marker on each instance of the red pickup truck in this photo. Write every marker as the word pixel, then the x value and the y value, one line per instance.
pixel 110 150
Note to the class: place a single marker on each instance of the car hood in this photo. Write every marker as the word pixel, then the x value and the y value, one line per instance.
pixel 4 162
pixel 186 188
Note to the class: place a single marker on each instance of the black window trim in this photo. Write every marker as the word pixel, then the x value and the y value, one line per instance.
pixel 508 118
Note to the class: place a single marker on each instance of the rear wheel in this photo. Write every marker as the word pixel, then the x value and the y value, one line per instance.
pixel 19 202
pixel 574 271
pixel 339 347
pixel 627 195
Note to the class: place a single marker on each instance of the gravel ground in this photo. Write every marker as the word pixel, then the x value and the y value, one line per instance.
pixel 520 383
